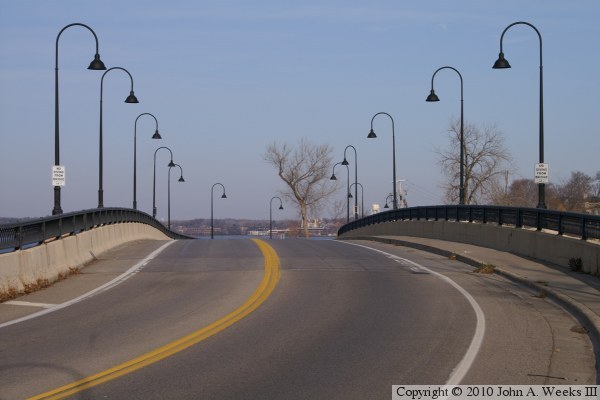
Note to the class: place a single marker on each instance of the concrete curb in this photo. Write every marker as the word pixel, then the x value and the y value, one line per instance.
pixel 586 317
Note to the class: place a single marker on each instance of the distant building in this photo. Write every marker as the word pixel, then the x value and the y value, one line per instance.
pixel 375 208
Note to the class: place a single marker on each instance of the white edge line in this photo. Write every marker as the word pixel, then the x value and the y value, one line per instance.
pixel 108 285
pixel 461 369
pixel 28 304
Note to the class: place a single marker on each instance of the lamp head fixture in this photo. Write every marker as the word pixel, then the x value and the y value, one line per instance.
pixel 372 134
pixel 131 98
pixel 281 207
pixel 181 179
pixel 224 196
pixel 333 178
pixel 171 164
pixel 501 62
pixel 432 96
pixel 97 64
pixel 345 162
pixel 156 135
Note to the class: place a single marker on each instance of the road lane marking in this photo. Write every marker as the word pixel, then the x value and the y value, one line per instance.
pixel 108 285
pixel 264 290
pixel 461 369
pixel 29 304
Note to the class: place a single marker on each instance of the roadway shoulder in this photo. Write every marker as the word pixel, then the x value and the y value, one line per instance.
pixel 578 293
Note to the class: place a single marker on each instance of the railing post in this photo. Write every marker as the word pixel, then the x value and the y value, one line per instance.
pixel 43 232
pixel 518 221
pixel 539 220
pixel 20 237
pixel 560 224
pixel 584 235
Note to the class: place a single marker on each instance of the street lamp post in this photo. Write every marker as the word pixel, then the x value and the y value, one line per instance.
pixel 502 63
pixel 372 135
pixel 345 162
pixel 97 65
pixel 433 97
pixel 169 191
pixel 171 164
pixel 386 200
pixel 362 198
pixel 155 136
pixel 223 196
pixel 271 214
pixel 333 178
pixel 130 99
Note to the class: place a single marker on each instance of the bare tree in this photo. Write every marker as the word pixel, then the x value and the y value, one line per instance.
pixel 575 192
pixel 486 159
pixel 305 169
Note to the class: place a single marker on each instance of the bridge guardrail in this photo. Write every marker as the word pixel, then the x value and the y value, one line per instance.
pixel 35 232
pixel 584 226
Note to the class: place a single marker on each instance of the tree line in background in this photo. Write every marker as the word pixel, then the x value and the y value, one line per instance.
pixel 488 166
pixel 580 193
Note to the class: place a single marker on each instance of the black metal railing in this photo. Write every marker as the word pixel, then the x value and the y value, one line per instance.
pixel 584 226
pixel 37 231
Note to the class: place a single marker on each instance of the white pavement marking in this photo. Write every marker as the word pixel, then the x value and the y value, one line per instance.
pixel 28 304
pixel 108 285
pixel 461 369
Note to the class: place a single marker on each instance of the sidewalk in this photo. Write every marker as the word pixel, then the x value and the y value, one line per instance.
pixel 578 293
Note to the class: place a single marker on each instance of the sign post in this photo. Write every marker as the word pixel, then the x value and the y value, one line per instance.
pixel 541 173
pixel 58 175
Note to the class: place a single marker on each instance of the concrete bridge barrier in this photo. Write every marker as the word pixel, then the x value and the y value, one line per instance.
pixel 25 270
pixel 543 246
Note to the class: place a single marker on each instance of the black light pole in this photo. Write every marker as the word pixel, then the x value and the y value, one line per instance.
pixel 333 178
pixel 171 164
pixel 97 65
pixel 362 197
pixel 223 196
pixel 130 99
pixel 433 97
pixel 169 191
pixel 502 63
pixel 372 135
pixel 155 136
pixel 345 162
pixel 271 214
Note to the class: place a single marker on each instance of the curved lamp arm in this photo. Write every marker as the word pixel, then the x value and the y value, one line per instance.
pixel 372 135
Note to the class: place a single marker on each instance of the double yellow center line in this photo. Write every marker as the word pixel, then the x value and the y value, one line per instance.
pixel 263 291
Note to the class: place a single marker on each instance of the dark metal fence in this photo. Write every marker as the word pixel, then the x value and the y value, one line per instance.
pixel 584 226
pixel 34 232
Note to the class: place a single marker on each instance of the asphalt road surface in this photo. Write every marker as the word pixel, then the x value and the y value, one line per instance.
pixel 313 319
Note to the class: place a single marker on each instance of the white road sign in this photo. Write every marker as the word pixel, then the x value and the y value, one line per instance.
pixel 541 173
pixel 58 175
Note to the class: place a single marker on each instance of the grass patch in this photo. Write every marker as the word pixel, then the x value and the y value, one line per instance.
pixel 8 294
pixel 579 329
pixel 485 269
pixel 39 284
pixel 576 264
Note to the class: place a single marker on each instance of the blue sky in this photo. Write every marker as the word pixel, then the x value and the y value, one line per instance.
pixel 226 78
